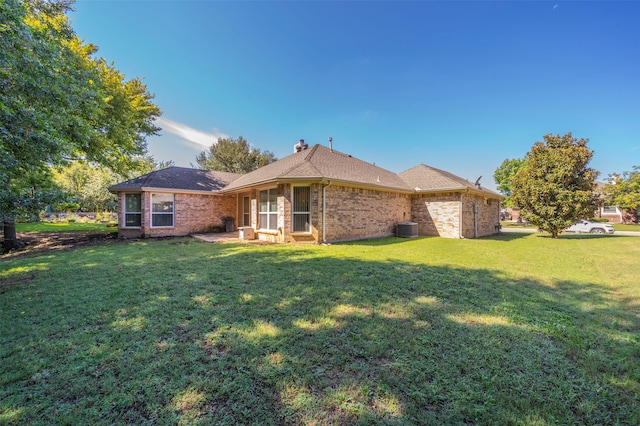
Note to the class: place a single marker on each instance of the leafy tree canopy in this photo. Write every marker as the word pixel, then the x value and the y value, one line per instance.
pixel 86 184
pixel 233 155
pixel 556 187
pixel 624 190
pixel 58 102
pixel 504 175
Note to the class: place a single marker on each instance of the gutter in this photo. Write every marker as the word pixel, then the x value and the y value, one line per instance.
pixel 115 190
pixel 264 183
pixel 463 189
pixel 320 180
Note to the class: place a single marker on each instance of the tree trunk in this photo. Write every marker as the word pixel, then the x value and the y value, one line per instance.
pixel 10 237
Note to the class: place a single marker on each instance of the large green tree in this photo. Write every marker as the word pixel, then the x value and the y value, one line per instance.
pixel 504 175
pixel 57 103
pixel 556 187
pixel 624 190
pixel 233 155
pixel 86 184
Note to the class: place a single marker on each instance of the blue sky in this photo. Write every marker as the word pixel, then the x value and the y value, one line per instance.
pixel 457 85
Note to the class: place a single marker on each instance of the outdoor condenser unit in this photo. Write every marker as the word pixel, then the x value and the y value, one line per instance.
pixel 407 230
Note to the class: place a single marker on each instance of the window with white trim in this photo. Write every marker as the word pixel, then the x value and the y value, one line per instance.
pixel 132 210
pixel 268 209
pixel 301 209
pixel 609 209
pixel 161 210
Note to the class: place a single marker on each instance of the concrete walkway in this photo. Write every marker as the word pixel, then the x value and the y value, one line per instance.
pixel 218 237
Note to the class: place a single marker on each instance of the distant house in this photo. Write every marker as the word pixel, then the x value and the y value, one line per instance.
pixel 316 195
pixel 613 214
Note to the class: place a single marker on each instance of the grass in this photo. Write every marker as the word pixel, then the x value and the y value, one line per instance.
pixel 64 227
pixel 626 227
pixel 513 329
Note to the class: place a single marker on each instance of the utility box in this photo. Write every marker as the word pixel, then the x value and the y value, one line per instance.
pixel 407 229
pixel 228 224
pixel 246 233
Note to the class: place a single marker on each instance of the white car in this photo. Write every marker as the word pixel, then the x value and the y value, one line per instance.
pixel 591 227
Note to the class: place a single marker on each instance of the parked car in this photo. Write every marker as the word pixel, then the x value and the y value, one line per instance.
pixel 591 227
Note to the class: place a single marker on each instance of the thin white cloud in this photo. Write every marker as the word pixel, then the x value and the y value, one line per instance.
pixel 194 137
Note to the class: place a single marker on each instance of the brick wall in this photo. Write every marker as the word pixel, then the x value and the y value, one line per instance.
pixel 352 213
pixel 437 214
pixel 193 213
pixel 355 213
pixel 487 216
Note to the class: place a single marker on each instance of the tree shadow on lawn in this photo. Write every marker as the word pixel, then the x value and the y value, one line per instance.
pixel 228 334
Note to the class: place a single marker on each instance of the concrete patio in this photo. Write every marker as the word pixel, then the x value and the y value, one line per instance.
pixel 218 237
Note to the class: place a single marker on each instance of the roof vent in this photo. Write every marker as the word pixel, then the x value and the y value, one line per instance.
pixel 300 146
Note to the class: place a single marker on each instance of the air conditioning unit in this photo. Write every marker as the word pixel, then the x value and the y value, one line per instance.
pixel 407 229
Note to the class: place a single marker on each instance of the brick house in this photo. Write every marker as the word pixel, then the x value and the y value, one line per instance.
pixel 316 195
pixel 174 201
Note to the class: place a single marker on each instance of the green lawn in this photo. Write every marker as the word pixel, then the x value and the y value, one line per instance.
pixel 513 329
pixel 626 227
pixel 64 227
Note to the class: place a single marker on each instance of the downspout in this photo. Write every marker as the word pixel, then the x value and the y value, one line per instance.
pixel 475 220
pixel 324 214
pixel 460 217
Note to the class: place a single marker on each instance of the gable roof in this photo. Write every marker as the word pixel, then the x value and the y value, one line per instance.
pixel 321 163
pixel 424 178
pixel 178 178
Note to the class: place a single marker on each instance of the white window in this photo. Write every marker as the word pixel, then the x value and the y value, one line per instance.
pixel 132 210
pixel 161 210
pixel 609 209
pixel 246 211
pixel 268 209
pixel 301 209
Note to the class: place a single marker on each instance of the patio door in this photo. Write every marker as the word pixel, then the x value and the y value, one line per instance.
pixel 246 211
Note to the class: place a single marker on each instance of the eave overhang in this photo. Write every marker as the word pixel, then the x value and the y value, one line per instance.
pixel 462 189
pixel 316 179
pixel 115 190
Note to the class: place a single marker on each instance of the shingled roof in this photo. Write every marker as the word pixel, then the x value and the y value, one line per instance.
pixel 178 178
pixel 422 178
pixel 321 163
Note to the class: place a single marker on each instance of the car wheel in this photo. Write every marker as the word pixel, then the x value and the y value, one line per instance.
pixel 597 231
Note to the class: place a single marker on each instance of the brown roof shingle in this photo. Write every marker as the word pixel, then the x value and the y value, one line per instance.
pixel 422 178
pixel 319 162
pixel 179 178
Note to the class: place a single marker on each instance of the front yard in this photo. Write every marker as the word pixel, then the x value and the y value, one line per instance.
pixel 513 329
